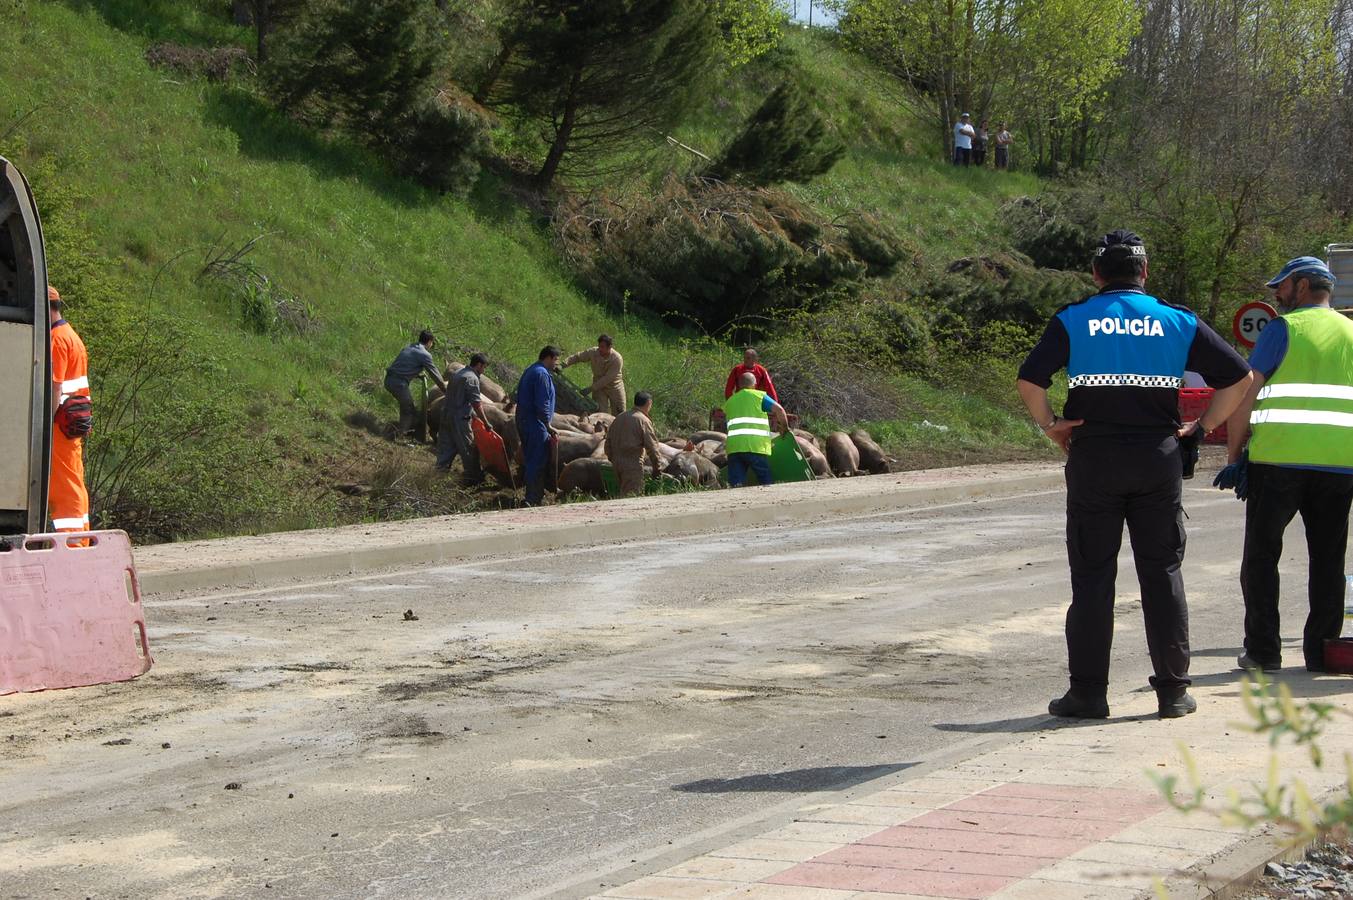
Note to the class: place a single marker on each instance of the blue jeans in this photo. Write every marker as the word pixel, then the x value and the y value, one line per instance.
pixel 739 463
pixel 535 446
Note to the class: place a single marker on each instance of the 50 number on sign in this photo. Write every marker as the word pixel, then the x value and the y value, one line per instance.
pixel 1250 321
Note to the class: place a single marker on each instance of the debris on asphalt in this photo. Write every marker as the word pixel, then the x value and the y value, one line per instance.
pixel 409 616
pixel 233 786
pixel 118 742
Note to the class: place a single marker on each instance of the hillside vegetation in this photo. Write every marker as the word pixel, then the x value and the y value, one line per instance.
pixel 242 281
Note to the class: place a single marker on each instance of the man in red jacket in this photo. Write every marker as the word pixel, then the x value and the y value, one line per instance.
pixel 750 364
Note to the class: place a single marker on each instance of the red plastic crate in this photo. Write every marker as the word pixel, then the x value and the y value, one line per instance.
pixel 1339 655
pixel 1193 403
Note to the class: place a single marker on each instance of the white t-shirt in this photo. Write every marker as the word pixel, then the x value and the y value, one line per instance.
pixel 963 134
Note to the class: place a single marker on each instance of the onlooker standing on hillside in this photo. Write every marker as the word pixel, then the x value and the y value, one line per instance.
pixel 750 365
pixel 535 409
pixel 456 437
pixel 1003 142
pixel 979 145
pixel 415 358
pixel 629 438
pixel 963 135
pixel 1299 417
pixel 608 375
pixel 1125 353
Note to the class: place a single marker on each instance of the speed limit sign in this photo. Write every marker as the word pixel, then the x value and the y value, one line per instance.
pixel 1250 320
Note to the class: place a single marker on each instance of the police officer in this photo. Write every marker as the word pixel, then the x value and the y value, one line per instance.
pixel 1125 353
pixel 1298 415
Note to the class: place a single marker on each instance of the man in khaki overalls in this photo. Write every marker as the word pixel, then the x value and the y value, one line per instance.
pixel 608 375
pixel 630 436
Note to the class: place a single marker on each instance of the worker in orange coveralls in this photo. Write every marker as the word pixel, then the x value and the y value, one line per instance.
pixel 67 498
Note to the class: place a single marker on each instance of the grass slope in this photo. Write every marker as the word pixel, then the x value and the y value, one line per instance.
pixel 152 171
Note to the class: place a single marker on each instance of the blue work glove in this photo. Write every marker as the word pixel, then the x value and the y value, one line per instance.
pixel 1235 476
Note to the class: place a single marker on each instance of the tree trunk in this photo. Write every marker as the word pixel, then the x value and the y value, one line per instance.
pixel 494 72
pixel 565 130
pixel 262 24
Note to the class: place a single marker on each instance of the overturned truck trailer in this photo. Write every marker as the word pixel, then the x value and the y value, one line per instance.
pixel 70 608
pixel 1340 259
pixel 25 386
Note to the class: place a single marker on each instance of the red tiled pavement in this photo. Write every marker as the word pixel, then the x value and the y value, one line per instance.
pixel 1003 864
pixel 1000 823
pixel 880 856
pixel 1021 806
pixel 975 842
pixel 953 861
pixel 977 845
pixel 891 881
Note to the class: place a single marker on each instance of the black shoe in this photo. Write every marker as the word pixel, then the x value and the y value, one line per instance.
pixel 1178 706
pixel 1250 664
pixel 1071 706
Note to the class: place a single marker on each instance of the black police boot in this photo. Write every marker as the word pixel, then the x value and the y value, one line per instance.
pixel 1250 664
pixel 1176 703
pixel 1072 705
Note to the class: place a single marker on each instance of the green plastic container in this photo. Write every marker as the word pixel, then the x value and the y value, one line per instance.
pixel 787 462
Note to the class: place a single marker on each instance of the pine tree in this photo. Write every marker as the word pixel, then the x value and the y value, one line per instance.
pixel 359 65
pixel 602 78
pixel 784 140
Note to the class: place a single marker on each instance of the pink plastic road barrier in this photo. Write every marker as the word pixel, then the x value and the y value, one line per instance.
pixel 70 611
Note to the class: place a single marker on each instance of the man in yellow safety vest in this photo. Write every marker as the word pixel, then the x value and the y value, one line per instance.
pixel 1298 417
pixel 748 446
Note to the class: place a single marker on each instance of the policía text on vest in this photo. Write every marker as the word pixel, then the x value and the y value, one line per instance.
pixel 1144 327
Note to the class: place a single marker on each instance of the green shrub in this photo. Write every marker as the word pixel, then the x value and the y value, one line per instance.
pixel 974 291
pixel 1056 231
pixel 715 254
pixel 370 68
pixel 784 140
pixel 357 65
pixel 440 141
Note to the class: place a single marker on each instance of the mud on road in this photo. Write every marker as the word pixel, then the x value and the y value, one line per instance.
pixel 539 719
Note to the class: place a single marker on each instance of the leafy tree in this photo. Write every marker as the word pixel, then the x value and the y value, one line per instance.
pixel 603 78
pixel 784 140
pixel 749 28
pixel 1226 117
pixel 1047 59
pixel 359 65
pixel 1064 55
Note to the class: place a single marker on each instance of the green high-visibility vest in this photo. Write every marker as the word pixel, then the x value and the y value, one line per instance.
pixel 1303 415
pixel 748 425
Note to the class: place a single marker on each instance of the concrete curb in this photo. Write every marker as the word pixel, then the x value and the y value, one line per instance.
pixel 1234 870
pixel 325 553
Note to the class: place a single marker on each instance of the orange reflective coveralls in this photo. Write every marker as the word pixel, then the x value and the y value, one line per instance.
pixel 67 499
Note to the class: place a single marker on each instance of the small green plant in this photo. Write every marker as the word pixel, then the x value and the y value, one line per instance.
pixel 1286 803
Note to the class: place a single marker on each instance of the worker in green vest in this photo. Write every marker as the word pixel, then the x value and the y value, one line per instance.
pixel 1298 417
pixel 749 412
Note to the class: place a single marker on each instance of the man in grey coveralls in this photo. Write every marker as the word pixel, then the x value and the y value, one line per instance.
pixel 456 437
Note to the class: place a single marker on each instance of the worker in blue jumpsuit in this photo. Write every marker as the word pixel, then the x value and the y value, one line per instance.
pixel 1125 353
pixel 535 409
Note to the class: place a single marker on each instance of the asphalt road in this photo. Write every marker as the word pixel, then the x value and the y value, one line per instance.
pixel 547 718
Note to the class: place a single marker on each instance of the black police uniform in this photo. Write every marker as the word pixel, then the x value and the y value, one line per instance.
pixel 1125 353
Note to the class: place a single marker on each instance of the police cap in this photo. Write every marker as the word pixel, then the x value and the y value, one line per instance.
pixel 1120 242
